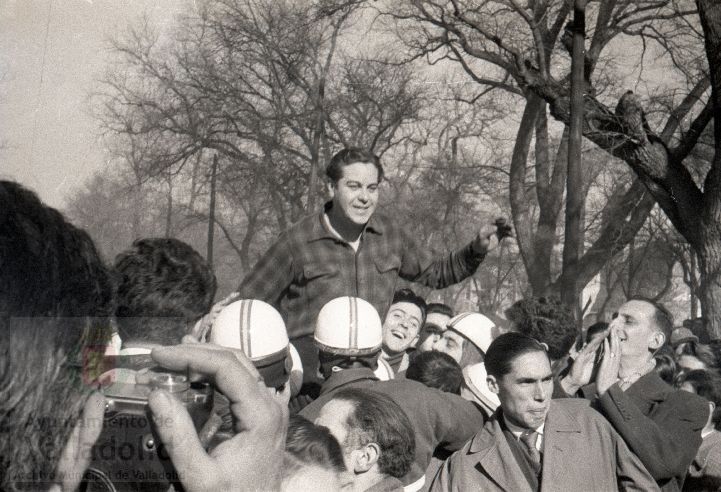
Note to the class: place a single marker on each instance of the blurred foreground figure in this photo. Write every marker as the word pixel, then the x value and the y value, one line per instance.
pixel 534 443
pixel 55 302
pixel 662 425
pixel 55 299
pixel 164 287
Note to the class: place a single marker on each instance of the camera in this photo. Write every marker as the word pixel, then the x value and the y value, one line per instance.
pixel 129 455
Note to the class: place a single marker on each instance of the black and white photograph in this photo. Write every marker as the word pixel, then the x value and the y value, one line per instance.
pixel 360 245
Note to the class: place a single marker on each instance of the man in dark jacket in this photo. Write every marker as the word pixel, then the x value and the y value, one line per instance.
pixel 660 424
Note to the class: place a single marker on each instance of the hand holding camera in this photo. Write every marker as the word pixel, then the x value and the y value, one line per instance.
pixel 253 455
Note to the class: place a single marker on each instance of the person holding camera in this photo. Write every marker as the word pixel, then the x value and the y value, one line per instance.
pixel 349 249
pixel 56 297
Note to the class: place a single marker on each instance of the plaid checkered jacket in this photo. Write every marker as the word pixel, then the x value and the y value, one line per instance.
pixel 309 266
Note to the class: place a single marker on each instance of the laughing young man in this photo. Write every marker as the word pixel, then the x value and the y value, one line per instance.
pixel 348 249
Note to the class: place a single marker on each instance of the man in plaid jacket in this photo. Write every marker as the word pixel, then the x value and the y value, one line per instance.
pixel 349 250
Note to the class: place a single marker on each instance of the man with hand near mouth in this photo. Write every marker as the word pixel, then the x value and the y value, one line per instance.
pixel 401 327
pixel 534 443
pixel 349 250
pixel 662 425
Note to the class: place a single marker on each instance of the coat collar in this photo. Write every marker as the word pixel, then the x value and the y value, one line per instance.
pixel 649 387
pixel 345 377
pixel 319 230
pixel 496 457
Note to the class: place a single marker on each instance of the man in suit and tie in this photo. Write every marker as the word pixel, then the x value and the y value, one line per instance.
pixel 533 443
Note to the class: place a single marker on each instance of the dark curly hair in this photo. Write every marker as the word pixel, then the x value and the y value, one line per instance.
pixel 163 284
pixel 546 320
pixel 376 418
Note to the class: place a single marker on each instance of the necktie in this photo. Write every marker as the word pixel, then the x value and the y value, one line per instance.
pixel 529 438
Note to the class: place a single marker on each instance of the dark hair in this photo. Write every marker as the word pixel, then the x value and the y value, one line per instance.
pixel 663 319
pixel 163 284
pixel 55 299
pixel 313 444
pixel 665 367
pixel 707 385
pixel 436 370
pixel 595 329
pixel 407 295
pixel 437 307
pixel 376 418
pixel 506 348
pixel 546 320
pixel 702 352
pixel 345 157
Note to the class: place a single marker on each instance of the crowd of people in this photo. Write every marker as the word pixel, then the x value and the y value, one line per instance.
pixel 323 373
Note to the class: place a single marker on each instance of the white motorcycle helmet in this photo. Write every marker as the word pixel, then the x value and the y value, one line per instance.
pixel 348 326
pixel 475 327
pixel 257 329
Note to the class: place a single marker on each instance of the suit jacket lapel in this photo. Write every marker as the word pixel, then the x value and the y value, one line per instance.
pixel 496 457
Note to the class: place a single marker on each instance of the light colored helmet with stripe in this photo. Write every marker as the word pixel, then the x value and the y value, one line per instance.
pixel 475 327
pixel 348 326
pixel 257 329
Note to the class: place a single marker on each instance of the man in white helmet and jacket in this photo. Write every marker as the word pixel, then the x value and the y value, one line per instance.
pixel 349 336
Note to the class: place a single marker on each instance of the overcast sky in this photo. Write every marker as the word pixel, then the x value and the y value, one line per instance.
pixel 50 140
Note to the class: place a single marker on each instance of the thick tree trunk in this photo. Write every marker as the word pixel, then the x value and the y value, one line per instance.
pixel 710 270
pixel 709 249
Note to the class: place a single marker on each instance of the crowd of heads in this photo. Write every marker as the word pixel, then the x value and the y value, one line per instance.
pixel 59 303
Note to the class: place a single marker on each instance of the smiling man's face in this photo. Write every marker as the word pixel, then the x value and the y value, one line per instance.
pixel 355 194
pixel 401 327
pixel 635 326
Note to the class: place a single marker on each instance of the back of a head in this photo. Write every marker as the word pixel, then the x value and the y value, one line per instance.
pixel 163 285
pixel 436 370
pixel 546 320
pixel 313 444
pixel 706 384
pixel 377 418
pixel 440 308
pixel 506 348
pixel 55 299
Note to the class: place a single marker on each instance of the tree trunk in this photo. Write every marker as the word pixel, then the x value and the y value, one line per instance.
pixel 710 270
pixel 709 249
pixel 169 209
pixel 693 285
pixel 575 197
pixel 211 212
